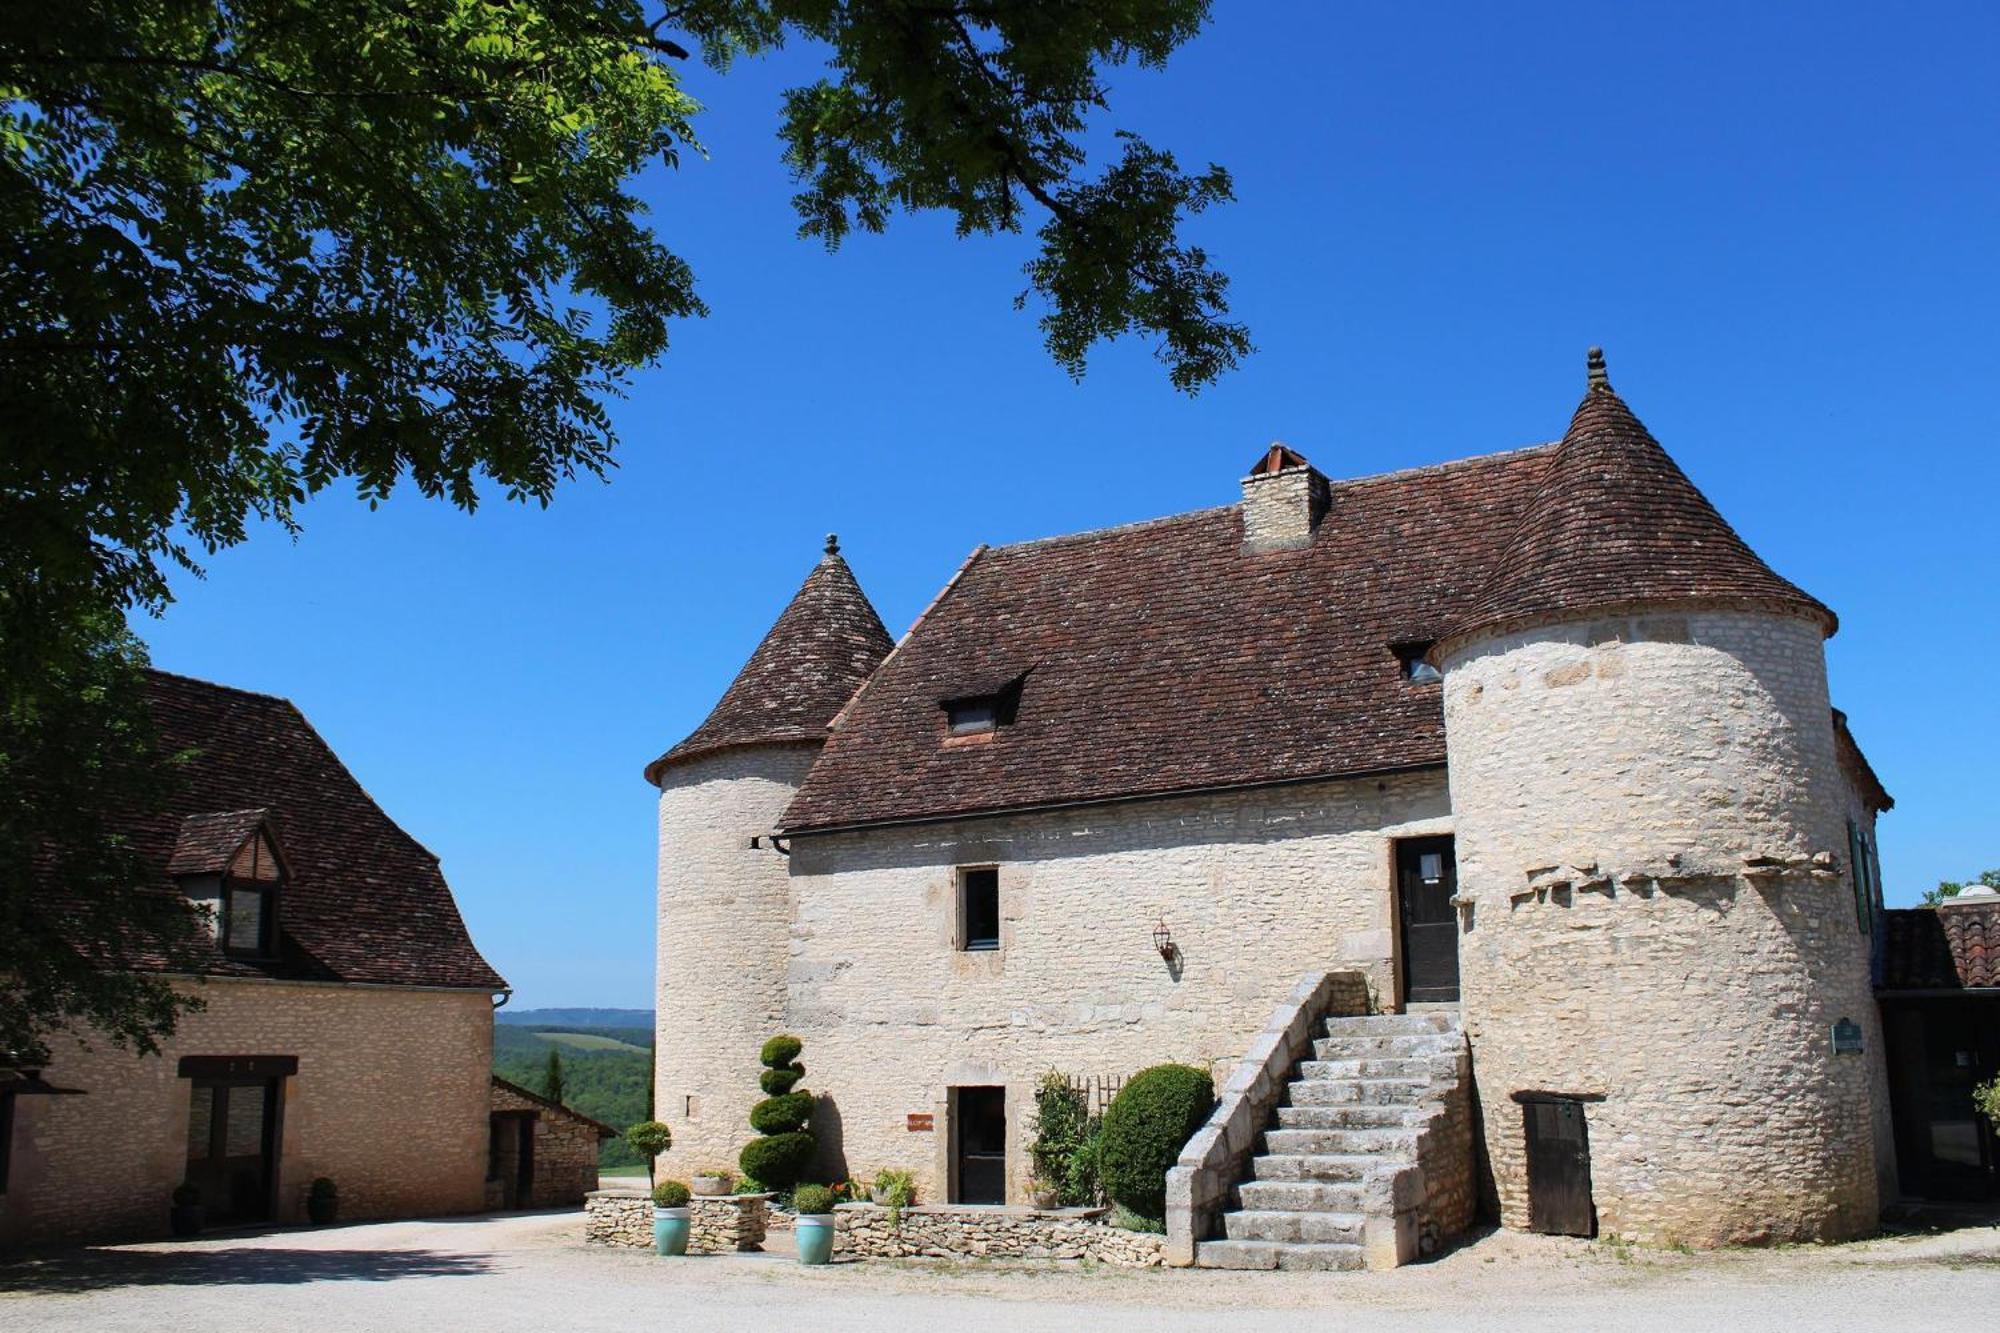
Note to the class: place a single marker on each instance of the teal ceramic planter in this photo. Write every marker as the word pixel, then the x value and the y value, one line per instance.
pixel 814 1236
pixel 670 1231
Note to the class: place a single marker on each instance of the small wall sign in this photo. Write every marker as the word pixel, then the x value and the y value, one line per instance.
pixel 919 1122
pixel 1847 1037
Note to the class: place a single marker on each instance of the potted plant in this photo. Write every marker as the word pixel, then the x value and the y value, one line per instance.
pixel 711 1182
pixel 322 1202
pixel 894 1190
pixel 649 1138
pixel 1043 1195
pixel 670 1217
pixel 187 1215
pixel 813 1228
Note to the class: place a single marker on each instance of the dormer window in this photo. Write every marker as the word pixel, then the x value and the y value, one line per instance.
pixel 229 867
pixel 1413 654
pixel 984 713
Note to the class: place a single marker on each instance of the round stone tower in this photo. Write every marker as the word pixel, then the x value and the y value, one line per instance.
pixel 724 886
pixel 1658 933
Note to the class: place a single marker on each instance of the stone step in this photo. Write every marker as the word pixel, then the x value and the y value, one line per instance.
pixel 1391 1025
pixel 1382 1067
pixel 1300 1196
pixel 1374 1140
pixel 1266 1254
pixel 1331 1168
pixel 1358 1091
pixel 1348 1048
pixel 1349 1117
pixel 1292 1228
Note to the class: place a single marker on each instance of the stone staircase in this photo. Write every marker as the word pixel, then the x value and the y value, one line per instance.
pixel 1368 1152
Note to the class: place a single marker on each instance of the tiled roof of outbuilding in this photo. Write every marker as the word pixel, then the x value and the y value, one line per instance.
pixel 1616 524
pixel 1950 948
pixel 1160 657
pixel 808 666
pixel 207 842
pixel 362 900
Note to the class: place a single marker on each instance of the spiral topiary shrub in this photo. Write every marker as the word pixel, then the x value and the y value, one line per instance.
pixel 785 1153
pixel 1146 1126
pixel 786 1114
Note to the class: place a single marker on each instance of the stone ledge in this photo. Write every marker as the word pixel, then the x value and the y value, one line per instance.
pixel 716 1223
pixel 969 1231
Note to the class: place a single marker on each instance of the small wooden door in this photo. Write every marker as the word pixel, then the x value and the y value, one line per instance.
pixel 1558 1168
pixel 1426 882
pixel 232 1147
pixel 979 1139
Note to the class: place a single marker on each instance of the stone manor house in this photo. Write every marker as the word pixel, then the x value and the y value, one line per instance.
pixel 1530 748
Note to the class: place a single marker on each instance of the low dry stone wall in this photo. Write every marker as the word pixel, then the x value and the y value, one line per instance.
pixel 864 1230
pixel 715 1225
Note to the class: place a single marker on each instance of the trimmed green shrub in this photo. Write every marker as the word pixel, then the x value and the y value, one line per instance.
pixel 649 1138
pixel 670 1194
pixel 778 1082
pixel 1152 1118
pixel 780 1051
pixel 812 1200
pixel 782 1115
pixel 778 1161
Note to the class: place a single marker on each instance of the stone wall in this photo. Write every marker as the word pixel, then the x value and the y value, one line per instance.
pixel 864 1230
pixel 1652 858
pixel 724 922
pixel 715 1225
pixel 1256 887
pixel 565 1153
pixel 390 1101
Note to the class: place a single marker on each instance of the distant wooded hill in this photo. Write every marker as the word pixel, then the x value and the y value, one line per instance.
pixel 586 1018
pixel 607 1069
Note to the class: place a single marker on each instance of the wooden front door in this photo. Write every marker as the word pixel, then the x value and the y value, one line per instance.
pixel 1426 882
pixel 233 1148
pixel 1558 1168
pixel 979 1144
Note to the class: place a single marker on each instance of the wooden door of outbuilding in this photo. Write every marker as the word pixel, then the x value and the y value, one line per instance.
pixel 1558 1167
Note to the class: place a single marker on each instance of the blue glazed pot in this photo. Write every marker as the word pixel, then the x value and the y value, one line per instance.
pixel 670 1230
pixel 814 1235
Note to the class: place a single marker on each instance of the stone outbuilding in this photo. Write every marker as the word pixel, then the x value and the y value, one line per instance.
pixel 348 1023
pixel 542 1154
pixel 1531 748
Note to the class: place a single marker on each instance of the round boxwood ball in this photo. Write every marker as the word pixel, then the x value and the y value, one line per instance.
pixel 778 1082
pixel 1147 1124
pixel 779 1161
pixel 781 1115
pixel 781 1051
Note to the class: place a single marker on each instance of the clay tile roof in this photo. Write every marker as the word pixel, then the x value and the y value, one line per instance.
pixel 810 664
pixel 207 843
pixel 604 1131
pixel 1617 525
pixel 1956 947
pixel 362 901
pixel 1161 657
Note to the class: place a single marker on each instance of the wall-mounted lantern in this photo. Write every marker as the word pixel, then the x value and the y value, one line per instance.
pixel 1163 940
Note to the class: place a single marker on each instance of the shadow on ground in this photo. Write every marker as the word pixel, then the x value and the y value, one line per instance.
pixel 80 1271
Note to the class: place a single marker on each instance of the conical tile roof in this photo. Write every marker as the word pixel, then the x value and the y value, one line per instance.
pixel 1617 526
pixel 809 665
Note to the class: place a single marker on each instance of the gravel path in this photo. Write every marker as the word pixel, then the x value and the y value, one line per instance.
pixel 533 1273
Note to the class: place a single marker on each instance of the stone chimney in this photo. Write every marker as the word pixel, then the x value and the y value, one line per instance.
pixel 1284 498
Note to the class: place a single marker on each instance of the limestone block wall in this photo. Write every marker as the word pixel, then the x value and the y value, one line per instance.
pixel 715 1225
pixel 863 1230
pixel 390 1101
pixel 724 921
pixel 1257 887
pixel 1652 854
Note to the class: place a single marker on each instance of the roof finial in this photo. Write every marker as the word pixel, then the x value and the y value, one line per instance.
pixel 833 543
pixel 1595 364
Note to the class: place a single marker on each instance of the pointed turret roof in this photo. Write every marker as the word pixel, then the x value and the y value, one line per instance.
pixel 825 644
pixel 1617 526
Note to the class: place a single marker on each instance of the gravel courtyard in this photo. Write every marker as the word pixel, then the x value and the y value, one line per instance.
pixel 534 1273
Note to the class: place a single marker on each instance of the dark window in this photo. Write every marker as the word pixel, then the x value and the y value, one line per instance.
pixel 979 908
pixel 1416 665
pixel 971 715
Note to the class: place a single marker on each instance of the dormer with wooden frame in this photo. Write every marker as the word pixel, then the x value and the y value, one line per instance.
pixel 230 865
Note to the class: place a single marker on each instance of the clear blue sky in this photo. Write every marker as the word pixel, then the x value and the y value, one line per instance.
pixel 1782 222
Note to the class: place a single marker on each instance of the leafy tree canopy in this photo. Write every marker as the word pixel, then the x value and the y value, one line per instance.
pixel 1951 888
pixel 261 247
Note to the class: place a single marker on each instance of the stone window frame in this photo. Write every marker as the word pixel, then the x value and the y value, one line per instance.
pixel 961 940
